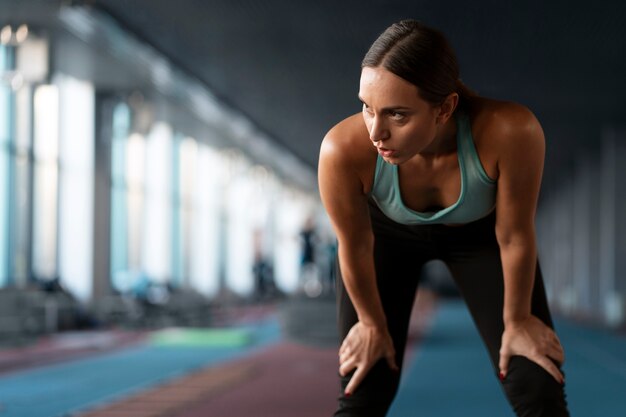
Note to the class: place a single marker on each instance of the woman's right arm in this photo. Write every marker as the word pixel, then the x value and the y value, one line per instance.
pixel 343 196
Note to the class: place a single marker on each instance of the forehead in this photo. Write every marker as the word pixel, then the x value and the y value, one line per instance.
pixel 383 86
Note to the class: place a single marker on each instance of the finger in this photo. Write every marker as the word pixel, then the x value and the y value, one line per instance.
pixel 554 341
pixel 555 347
pixel 343 357
pixel 558 346
pixel 503 364
pixel 356 379
pixel 343 347
pixel 550 367
pixel 556 353
pixel 554 337
pixel 347 367
pixel 346 340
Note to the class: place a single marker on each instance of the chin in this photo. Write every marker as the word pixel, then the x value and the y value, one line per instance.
pixel 393 161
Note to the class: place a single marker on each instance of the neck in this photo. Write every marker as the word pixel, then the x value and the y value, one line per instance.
pixel 444 142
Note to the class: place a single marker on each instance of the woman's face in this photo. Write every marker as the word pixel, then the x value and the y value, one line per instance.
pixel 399 122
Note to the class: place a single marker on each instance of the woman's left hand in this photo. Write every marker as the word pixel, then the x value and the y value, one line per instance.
pixel 534 340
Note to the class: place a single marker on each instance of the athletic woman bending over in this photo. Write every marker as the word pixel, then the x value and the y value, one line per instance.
pixel 429 170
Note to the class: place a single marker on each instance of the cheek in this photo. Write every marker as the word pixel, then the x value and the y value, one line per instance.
pixel 415 137
pixel 415 133
pixel 425 131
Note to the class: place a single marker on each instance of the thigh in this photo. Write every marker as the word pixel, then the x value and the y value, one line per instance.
pixel 398 264
pixel 477 270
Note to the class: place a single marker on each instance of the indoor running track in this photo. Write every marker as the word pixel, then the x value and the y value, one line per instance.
pixel 447 374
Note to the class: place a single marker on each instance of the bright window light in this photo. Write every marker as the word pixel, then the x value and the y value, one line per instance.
pixel 76 157
pixel 157 254
pixel 46 126
pixel 46 141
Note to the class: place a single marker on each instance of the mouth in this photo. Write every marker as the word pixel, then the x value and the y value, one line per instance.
pixel 385 152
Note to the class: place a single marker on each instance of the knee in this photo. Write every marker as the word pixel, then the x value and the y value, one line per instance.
pixel 531 390
pixel 373 396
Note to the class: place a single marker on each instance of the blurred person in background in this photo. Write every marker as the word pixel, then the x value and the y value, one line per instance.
pixel 309 271
pixel 262 269
pixel 430 170
pixel 309 239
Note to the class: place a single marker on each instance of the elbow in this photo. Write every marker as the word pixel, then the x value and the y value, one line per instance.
pixel 515 238
pixel 356 246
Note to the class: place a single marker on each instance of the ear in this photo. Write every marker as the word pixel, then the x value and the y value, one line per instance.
pixel 447 108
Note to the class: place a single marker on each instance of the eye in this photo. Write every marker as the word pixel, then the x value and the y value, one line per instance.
pixel 366 109
pixel 396 116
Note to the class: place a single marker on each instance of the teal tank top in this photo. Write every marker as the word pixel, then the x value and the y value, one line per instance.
pixel 476 200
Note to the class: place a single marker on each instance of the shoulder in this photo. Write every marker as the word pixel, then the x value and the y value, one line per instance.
pixel 347 148
pixel 505 134
pixel 512 136
pixel 505 123
pixel 348 134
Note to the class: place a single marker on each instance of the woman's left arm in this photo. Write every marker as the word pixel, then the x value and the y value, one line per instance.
pixel 520 165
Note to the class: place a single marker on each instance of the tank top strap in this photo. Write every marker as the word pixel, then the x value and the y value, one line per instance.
pixel 468 151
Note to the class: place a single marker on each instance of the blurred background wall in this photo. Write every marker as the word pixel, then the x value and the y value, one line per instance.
pixel 150 149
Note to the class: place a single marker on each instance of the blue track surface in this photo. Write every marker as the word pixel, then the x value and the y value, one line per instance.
pixel 451 375
pixel 62 389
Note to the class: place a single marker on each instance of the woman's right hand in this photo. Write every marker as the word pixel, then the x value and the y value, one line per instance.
pixel 361 349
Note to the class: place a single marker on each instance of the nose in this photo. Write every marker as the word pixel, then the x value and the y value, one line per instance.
pixel 378 131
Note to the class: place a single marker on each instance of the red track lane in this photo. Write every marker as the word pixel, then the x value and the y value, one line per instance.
pixel 289 380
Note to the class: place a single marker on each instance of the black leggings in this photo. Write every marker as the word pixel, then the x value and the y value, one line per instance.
pixel 472 254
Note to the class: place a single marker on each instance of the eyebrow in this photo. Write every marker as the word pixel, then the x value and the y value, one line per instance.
pixel 387 108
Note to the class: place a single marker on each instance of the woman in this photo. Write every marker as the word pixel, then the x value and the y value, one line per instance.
pixel 429 170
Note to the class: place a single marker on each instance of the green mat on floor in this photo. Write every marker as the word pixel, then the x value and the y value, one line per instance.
pixel 201 337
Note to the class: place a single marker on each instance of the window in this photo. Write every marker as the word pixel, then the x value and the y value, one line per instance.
pixel 45 204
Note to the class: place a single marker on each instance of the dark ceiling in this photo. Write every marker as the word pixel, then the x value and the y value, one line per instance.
pixel 293 66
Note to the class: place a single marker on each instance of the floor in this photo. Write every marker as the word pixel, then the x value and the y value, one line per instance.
pixel 252 368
